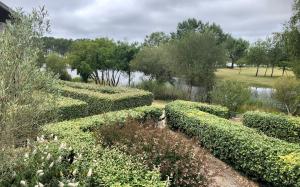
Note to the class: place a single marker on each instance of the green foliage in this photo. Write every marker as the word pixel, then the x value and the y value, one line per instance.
pixel 231 94
pixel 162 91
pixel 155 39
pixel 257 55
pixel 195 58
pixel 57 65
pixel 176 157
pixel 269 159
pixel 153 61
pixel 237 49
pixel 110 167
pixel 288 93
pixel 69 108
pixel 103 99
pixel 21 80
pixel 275 125
pixel 217 110
pixel 56 45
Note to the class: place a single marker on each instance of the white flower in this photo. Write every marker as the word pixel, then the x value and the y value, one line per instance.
pixel 89 172
pixel 26 155
pixel 55 138
pixel 51 165
pixel 40 172
pixel 59 159
pixel 74 172
pixel 73 184
pixel 39 185
pixel 34 152
pixel 23 183
pixel 62 146
pixel 60 184
pixel 79 156
pixel 48 156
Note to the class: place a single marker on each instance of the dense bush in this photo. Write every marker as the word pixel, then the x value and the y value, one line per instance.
pixel 110 167
pixel 279 126
pixel 269 159
pixel 104 99
pixel 231 94
pixel 288 93
pixel 175 156
pixel 217 110
pixel 163 91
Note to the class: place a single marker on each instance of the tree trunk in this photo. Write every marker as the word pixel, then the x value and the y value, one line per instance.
pixel 190 88
pixel 283 70
pixel 102 77
pixel 272 70
pixel 266 71
pixel 257 71
pixel 232 65
pixel 129 78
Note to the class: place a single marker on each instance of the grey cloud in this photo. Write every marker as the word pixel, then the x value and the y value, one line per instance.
pixel 133 19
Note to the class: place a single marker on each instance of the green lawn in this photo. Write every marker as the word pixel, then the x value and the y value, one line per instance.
pixel 247 75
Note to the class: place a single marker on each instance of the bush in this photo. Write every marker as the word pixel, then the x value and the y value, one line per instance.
pixel 110 167
pixel 104 99
pixel 163 91
pixel 269 159
pixel 231 94
pixel 175 156
pixel 288 93
pixel 274 125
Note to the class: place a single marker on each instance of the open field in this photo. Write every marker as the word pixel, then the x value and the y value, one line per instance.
pixel 247 75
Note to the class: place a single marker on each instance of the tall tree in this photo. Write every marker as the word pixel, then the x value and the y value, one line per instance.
pixel 155 39
pixel 195 58
pixel 257 55
pixel 237 48
pixel 58 45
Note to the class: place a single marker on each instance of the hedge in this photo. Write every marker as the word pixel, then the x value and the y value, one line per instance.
pixel 257 155
pixel 110 166
pixel 276 125
pixel 112 99
pixel 69 108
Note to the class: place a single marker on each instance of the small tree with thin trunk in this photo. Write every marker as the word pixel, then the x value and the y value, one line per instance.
pixel 257 55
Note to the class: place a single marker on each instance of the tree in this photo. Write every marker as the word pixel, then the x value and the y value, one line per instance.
pixel 58 45
pixel 195 58
pixel 288 93
pixel 57 65
pixel 153 61
pixel 257 55
pixel 26 92
pixel 237 49
pixel 193 25
pixel 155 39
pixel 231 94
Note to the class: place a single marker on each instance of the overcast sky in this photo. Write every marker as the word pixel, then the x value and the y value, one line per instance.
pixel 132 20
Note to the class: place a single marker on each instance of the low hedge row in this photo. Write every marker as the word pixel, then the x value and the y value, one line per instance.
pixel 100 101
pixel 110 166
pixel 69 108
pixel 276 125
pixel 257 155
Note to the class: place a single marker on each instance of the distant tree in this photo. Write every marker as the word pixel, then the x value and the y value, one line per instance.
pixel 57 64
pixel 195 58
pixel 58 45
pixel 153 61
pixel 237 49
pixel 257 55
pixel 196 26
pixel 155 39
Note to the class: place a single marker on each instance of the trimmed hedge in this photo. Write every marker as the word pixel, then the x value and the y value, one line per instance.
pixel 104 99
pixel 110 166
pixel 257 155
pixel 69 108
pixel 276 125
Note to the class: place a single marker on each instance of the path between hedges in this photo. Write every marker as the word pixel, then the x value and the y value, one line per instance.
pixel 221 174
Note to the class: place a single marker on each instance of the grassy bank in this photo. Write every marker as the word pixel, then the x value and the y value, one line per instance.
pixel 247 75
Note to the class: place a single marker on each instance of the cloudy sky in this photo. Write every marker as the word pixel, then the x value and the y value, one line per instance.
pixel 133 19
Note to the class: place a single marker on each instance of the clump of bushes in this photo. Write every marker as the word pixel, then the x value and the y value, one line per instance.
pixel 231 94
pixel 163 90
pixel 177 158
pixel 276 125
pixel 257 155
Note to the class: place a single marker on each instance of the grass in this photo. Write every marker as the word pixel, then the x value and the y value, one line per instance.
pixel 247 76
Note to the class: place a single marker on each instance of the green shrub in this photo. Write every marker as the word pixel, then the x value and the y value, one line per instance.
pixel 231 94
pixel 110 167
pixel 104 99
pixel 217 110
pixel 276 125
pixel 176 157
pixel 69 108
pixel 257 155
pixel 163 91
